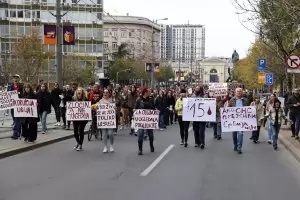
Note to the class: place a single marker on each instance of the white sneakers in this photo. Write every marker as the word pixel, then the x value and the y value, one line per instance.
pixel 58 124
pixel 111 149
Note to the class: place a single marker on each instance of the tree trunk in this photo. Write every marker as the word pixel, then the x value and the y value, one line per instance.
pixel 289 82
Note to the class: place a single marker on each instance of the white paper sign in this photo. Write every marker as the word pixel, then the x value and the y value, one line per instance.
pixel 218 89
pixel 6 99
pixel 79 111
pixel 25 108
pixel 106 115
pixel 145 119
pixel 238 119
pixel 199 109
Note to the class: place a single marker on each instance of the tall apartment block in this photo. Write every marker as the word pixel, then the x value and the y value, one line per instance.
pixel 182 43
pixel 21 17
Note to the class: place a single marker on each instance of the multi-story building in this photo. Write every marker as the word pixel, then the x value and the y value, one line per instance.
pixel 20 17
pixel 182 43
pixel 141 35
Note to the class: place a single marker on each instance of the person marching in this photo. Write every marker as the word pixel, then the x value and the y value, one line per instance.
pixel 80 95
pixel 147 103
pixel 107 132
pixel 259 118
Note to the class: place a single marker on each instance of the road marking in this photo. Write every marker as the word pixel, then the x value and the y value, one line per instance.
pixel 157 160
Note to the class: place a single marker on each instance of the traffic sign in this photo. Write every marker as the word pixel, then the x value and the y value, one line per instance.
pixel 269 79
pixel 293 61
pixel 262 65
pixel 261 77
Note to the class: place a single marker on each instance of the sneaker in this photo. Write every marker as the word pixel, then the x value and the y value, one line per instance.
pixel 202 146
pixel 57 124
pixel 79 148
pixel 105 150
pixel 275 148
pixel 76 147
pixel 161 129
pixel 121 128
pixel 43 132
pixel 181 143
pixel 196 145
pixel 292 136
pixel 297 138
pixel 219 137
pixel 239 151
pixel 111 149
pixel 186 144
pixel 269 141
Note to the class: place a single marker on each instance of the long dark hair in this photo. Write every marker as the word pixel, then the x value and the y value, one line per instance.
pixel 27 85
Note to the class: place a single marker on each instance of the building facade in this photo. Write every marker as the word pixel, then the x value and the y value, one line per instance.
pixel 134 31
pixel 182 43
pixel 21 17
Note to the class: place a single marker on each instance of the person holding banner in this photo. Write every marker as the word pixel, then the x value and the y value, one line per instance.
pixel 183 125
pixel 147 103
pixel 199 127
pixel 269 106
pixel 79 126
pixel 238 101
pixel 217 125
pixel 29 124
pixel 259 117
pixel 107 132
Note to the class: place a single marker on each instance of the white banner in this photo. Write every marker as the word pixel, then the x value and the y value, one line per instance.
pixel 218 89
pixel 6 99
pixel 199 109
pixel 25 108
pixel 106 115
pixel 238 119
pixel 145 119
pixel 79 111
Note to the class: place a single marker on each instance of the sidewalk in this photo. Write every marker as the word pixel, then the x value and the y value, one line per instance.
pixel 9 147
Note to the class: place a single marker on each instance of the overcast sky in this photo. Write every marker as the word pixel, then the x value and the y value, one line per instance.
pixel 224 33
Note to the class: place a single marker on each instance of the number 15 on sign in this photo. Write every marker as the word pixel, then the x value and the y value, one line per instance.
pixel 199 109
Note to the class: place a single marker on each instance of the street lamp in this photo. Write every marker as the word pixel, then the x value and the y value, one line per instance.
pixel 125 70
pixel 153 58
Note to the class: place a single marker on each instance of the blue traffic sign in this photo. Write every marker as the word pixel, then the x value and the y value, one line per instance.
pixel 269 79
pixel 262 65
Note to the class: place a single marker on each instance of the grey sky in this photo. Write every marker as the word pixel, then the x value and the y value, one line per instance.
pixel 224 33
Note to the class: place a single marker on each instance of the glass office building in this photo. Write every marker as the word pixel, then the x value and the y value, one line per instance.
pixel 21 17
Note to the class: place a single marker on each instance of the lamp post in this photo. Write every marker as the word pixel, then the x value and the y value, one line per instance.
pixel 153 57
pixel 125 70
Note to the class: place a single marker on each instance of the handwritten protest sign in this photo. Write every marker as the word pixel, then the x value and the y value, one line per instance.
pixel 6 99
pixel 145 119
pixel 106 116
pixel 238 119
pixel 25 108
pixel 199 109
pixel 218 89
pixel 79 111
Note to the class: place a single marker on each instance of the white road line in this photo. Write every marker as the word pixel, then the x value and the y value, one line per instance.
pixel 157 160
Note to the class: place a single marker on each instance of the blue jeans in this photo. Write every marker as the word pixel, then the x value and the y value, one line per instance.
pixel 161 120
pixel 108 133
pixel 17 127
pixel 44 121
pixel 275 131
pixel 270 130
pixel 237 139
pixel 141 133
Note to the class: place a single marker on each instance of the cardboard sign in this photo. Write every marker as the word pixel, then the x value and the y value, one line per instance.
pixel 199 109
pixel 6 99
pixel 106 115
pixel 79 111
pixel 218 89
pixel 145 119
pixel 25 108
pixel 238 119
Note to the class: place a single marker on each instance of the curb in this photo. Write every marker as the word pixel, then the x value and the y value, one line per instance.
pixel 34 146
pixel 290 147
pixel 9 136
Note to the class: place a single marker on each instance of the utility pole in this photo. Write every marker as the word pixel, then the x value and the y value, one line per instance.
pixel 153 58
pixel 58 60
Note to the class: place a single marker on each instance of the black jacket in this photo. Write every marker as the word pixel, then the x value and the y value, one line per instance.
pixel 294 100
pixel 161 104
pixel 44 101
pixel 144 103
pixel 55 96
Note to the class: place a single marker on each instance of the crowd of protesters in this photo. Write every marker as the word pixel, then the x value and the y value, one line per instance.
pixel 169 102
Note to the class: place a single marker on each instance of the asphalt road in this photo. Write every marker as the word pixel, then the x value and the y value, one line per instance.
pixel 57 172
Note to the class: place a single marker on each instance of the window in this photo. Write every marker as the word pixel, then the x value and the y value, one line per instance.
pixel 27 14
pixel 114 45
pixel 105 33
pixel 123 34
pixel 114 33
pixel 12 13
pixel 99 16
pixel 20 14
pixel 131 32
pixel 105 45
